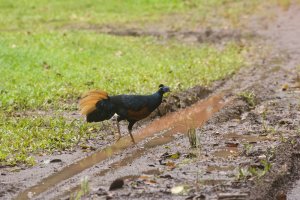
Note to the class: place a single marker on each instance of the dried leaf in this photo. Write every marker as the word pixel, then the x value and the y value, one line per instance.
pixel 170 165
pixel 143 177
pixel 177 189
pixel 232 144
pixel 168 176
pixel 150 182
pixel 116 184
pixel 285 87
pixel 46 161
pixel 55 160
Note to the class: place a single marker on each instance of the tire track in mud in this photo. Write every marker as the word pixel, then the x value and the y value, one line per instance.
pixel 281 182
pixel 172 123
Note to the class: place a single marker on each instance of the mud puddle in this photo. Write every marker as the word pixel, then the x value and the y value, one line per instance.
pixel 244 138
pixel 226 152
pixel 219 168
pixel 176 122
pixel 234 141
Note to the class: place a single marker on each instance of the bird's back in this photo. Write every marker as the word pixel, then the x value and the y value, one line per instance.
pixel 136 107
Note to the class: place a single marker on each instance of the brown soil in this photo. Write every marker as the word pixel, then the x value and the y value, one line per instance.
pixel 249 133
pixel 192 36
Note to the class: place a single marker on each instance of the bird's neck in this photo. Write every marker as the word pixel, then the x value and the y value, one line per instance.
pixel 159 93
pixel 156 100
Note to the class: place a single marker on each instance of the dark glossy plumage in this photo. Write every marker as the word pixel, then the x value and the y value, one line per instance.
pixel 128 107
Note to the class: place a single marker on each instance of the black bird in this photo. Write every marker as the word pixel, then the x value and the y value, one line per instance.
pixel 98 106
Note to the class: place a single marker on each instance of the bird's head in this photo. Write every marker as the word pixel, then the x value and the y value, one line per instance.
pixel 163 89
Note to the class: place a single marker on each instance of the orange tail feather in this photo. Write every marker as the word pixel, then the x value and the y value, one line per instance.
pixel 87 103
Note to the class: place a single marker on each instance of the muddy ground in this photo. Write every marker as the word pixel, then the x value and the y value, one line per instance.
pixel 248 150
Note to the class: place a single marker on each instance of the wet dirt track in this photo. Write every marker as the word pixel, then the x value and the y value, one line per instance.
pixel 177 122
pixel 238 137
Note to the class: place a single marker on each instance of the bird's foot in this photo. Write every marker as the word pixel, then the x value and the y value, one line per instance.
pixel 132 139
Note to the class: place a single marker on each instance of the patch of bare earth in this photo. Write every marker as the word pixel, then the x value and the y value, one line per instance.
pixel 199 35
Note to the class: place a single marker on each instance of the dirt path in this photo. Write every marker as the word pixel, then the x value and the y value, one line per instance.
pixel 280 181
pixel 257 128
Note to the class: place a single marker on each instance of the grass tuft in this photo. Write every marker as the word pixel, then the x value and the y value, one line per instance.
pixel 249 98
pixel 193 139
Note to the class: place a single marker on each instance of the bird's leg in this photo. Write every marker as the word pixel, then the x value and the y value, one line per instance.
pixel 118 126
pixel 131 123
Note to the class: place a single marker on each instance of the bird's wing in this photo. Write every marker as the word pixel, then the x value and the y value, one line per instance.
pixel 139 114
pixel 134 102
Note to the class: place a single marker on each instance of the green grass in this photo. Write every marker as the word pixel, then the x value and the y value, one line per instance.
pixel 45 68
pixel 41 71
pixel 33 15
pixel 28 14
pixel 22 136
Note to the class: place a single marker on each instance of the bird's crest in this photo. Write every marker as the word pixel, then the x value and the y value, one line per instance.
pixel 87 103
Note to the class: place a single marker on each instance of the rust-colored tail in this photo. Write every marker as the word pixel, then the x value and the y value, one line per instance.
pixel 87 103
